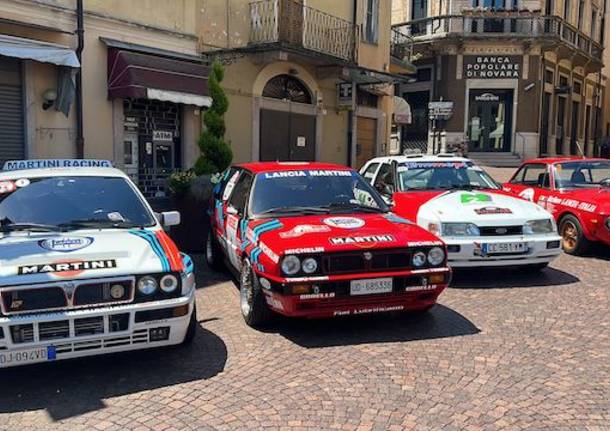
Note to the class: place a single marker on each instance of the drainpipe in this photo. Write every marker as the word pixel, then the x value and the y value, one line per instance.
pixel 80 33
pixel 596 147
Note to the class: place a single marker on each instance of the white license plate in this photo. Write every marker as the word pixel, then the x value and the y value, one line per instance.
pixel 506 247
pixel 27 356
pixel 371 286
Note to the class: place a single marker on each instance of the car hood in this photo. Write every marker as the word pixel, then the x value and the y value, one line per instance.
pixel 599 198
pixel 330 233
pixel 480 207
pixel 45 257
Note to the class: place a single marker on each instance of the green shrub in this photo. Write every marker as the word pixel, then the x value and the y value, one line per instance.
pixel 179 183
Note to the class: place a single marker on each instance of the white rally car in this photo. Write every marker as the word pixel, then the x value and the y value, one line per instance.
pixel 85 266
pixel 459 202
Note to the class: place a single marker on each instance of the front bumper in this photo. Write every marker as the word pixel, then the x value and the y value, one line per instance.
pixel 468 252
pixel 409 293
pixel 55 336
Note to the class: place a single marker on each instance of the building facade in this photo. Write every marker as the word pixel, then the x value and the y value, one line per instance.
pixel 525 76
pixel 143 83
pixel 306 79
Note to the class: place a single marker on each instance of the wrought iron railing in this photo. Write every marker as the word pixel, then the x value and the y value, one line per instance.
pixel 401 45
pixel 291 23
pixel 501 24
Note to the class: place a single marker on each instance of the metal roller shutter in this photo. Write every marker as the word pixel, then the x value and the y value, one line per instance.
pixel 12 142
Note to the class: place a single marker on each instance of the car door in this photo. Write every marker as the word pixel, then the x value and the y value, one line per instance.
pixel 236 211
pixel 531 182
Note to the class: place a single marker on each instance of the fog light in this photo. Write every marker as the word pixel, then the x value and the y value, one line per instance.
pixel 553 244
pixel 169 283
pixel 158 334
pixel 117 291
pixel 265 283
pixel 436 278
pixel 454 248
pixel 300 289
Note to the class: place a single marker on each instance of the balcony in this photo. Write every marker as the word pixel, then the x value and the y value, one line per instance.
pixel 289 24
pixel 552 30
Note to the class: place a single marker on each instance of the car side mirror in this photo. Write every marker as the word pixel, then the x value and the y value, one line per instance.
pixel 169 218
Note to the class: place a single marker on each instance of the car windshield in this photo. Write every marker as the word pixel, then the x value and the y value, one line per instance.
pixel 313 191
pixel 443 176
pixel 70 202
pixel 582 174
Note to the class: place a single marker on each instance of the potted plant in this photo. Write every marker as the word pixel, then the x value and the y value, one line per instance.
pixel 191 191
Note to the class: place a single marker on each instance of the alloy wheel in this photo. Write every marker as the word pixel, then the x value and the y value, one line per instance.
pixel 569 233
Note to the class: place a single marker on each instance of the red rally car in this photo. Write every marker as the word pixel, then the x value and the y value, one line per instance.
pixel 575 190
pixel 316 240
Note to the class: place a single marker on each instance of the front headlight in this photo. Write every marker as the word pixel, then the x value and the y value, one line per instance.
pixel 310 265
pixel 147 285
pixel 607 223
pixel 419 259
pixel 169 283
pixel 460 229
pixel 291 265
pixel 436 256
pixel 534 227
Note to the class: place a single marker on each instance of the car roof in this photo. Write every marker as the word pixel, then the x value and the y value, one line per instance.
pixel 553 160
pixel 62 172
pixel 421 158
pixel 261 167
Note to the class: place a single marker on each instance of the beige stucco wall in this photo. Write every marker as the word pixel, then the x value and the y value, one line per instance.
pixel 50 133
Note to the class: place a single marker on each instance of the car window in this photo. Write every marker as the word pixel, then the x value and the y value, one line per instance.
pixel 442 175
pixel 239 197
pixel 532 175
pixel 95 201
pixel 580 174
pixel 229 179
pixel 385 179
pixel 369 173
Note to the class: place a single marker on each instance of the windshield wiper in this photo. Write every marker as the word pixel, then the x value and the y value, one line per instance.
pixel 98 223
pixel 354 206
pixel 293 210
pixel 34 227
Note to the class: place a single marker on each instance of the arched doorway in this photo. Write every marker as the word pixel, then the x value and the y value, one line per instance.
pixel 287 126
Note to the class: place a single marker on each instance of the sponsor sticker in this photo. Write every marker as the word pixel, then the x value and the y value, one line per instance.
pixel 268 252
pixel 304 229
pixel 7 187
pixel 423 243
pixel 22 182
pixel 309 173
pixel 366 241
pixel 527 194
pixel 18 165
pixel 344 222
pixel 66 245
pixel 304 250
pixel 492 210
pixel 467 198
pixel 369 310
pixel 230 186
pixel 431 165
pixel 318 295
pixel 67 268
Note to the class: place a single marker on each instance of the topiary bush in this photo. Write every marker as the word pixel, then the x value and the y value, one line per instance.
pixel 216 155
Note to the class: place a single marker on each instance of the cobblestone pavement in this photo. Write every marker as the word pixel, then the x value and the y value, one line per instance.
pixel 502 351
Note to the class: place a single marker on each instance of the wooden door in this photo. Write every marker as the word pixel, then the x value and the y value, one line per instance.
pixel 366 136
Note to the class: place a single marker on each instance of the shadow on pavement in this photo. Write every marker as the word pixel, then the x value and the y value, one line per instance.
pixel 439 322
pixel 598 251
pixel 70 388
pixel 205 276
pixel 510 278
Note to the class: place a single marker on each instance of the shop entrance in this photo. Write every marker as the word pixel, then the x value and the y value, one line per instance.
pixel 490 120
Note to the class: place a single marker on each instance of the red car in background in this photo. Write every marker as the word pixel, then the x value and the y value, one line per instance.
pixel 575 190
pixel 316 240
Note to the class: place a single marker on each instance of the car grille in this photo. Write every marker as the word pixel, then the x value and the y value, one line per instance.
pixel 500 230
pixel 68 295
pixel 366 261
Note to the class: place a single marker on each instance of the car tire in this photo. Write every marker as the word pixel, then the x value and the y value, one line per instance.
pixel 191 330
pixel 252 303
pixel 213 254
pixel 573 239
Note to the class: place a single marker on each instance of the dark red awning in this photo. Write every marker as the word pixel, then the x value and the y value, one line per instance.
pixel 137 75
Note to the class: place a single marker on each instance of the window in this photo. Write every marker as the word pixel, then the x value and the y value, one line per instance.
pixel 239 196
pixel 424 74
pixel 371 21
pixel 369 173
pixel 594 24
pixel 384 182
pixel 567 9
pixel 532 175
pixel 577 87
pixel 227 184
pixel 549 76
pixel 289 88
pixel 419 9
pixel 581 13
